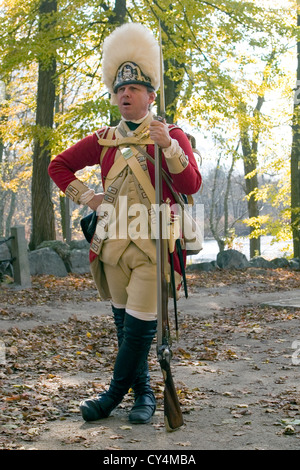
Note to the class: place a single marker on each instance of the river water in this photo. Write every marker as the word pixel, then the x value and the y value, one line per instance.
pixel 269 250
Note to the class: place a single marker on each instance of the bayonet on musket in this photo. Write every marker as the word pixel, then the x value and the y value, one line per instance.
pixel 172 412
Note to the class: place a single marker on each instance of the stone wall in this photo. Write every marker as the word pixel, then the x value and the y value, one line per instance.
pixel 233 259
pixel 58 258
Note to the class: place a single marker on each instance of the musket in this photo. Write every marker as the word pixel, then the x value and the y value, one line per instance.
pixel 172 412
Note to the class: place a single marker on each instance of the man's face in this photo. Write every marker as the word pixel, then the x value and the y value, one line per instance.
pixel 133 101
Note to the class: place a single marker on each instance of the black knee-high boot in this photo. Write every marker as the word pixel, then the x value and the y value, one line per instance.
pixel 119 315
pixel 145 403
pixel 132 354
pixel 141 384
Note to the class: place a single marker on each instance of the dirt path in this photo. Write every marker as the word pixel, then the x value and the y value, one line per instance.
pixel 236 368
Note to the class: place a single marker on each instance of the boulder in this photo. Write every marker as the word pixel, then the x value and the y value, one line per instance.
pixel 260 262
pixel 294 263
pixel 4 251
pixel 46 261
pixel 79 244
pixel 232 259
pixel 61 248
pixel 79 261
pixel 5 267
pixel 280 263
pixel 205 266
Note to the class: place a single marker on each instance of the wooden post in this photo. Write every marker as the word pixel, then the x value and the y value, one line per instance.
pixel 20 256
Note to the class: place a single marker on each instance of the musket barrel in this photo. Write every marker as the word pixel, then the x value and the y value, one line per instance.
pixel 159 257
pixel 172 411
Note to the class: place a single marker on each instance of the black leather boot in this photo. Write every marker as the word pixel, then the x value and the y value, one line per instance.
pixel 132 354
pixel 143 409
pixel 145 403
pixel 119 316
pixel 144 399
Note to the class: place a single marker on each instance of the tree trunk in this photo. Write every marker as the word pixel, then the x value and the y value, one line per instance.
pixel 119 12
pixel 3 193
pixel 250 166
pixel 43 226
pixel 295 161
pixel 117 17
pixel 12 208
pixel 214 218
pixel 172 88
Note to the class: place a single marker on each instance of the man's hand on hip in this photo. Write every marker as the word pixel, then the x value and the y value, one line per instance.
pixel 96 201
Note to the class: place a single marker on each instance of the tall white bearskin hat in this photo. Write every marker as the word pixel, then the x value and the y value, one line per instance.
pixel 130 56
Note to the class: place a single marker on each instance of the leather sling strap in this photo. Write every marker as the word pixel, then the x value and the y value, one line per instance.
pixel 114 171
pixel 121 163
pixel 122 141
pixel 178 198
pixel 141 176
pixel 102 141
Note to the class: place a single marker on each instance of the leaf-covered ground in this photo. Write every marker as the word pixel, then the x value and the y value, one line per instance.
pixel 252 279
pixel 34 389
